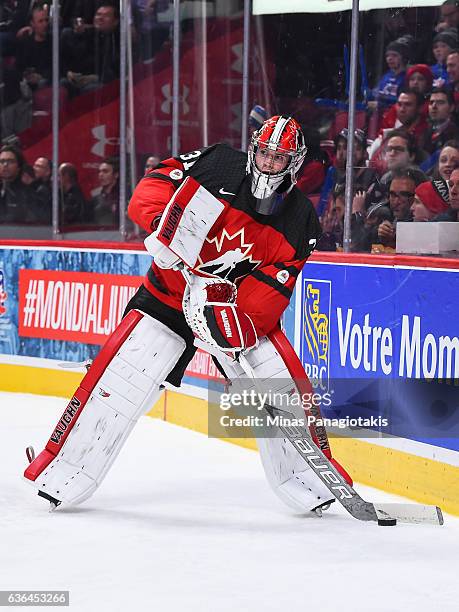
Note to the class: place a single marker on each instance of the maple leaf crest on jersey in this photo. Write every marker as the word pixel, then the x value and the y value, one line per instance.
pixel 233 256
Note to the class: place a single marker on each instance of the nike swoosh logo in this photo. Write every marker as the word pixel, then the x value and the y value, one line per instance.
pixel 223 192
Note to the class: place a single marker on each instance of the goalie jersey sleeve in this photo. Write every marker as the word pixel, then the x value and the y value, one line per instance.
pixel 153 193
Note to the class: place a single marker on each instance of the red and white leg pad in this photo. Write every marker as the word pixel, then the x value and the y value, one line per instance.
pixel 289 476
pixel 122 384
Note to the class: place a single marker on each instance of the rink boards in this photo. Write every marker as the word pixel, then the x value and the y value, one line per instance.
pixel 377 333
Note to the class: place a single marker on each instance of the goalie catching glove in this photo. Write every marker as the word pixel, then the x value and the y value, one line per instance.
pixel 211 311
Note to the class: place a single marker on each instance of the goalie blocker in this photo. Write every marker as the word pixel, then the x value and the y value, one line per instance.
pixel 184 225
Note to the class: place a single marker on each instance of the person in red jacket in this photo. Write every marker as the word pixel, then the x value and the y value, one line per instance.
pixel 244 232
pixel 406 114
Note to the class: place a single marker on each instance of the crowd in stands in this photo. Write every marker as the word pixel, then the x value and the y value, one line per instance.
pixel 402 184
pixel 26 192
pixel 407 169
pixel 89 55
pixel 89 51
pixel 406 151
pixel 89 58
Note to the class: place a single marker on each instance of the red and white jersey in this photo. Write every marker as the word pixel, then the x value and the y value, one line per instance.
pixel 262 254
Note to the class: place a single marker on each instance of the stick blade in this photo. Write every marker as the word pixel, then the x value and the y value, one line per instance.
pixel 410 513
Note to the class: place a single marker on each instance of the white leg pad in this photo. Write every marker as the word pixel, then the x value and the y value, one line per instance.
pixel 288 474
pixel 127 389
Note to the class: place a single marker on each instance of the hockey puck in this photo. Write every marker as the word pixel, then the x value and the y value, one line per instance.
pixel 387 522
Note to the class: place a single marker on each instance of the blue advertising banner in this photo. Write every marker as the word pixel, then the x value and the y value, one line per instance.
pixel 384 341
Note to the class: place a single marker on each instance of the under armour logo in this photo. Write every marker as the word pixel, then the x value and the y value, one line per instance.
pixel 100 134
pixel 166 106
pixel 237 65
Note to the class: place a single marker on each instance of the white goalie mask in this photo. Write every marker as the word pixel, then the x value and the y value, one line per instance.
pixel 275 155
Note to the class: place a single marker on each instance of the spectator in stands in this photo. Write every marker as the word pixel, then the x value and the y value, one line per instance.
pixel 401 197
pixel 365 179
pixel 333 222
pixel 452 214
pixel 365 230
pixel 444 43
pixel 408 115
pixel 72 203
pixel 78 14
pixel 151 163
pixel 448 160
pixel 397 56
pixel 420 78
pixel 449 15
pixel 442 126
pixel 452 67
pixel 15 103
pixel 42 168
pixel 91 58
pixel 13 16
pixel 400 153
pixel 104 207
pixel 35 52
pixel 431 198
pixel 17 200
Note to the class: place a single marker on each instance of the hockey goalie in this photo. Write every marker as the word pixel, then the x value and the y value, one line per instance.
pixel 229 233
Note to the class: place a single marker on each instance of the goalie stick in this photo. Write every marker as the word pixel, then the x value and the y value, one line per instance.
pixel 302 441
pixel 382 513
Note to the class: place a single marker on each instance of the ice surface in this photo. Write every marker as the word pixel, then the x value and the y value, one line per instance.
pixel 187 523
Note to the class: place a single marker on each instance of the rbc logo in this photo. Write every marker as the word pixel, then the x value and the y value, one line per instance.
pixel 315 354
